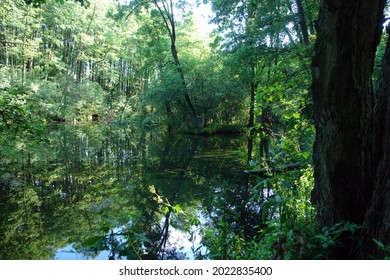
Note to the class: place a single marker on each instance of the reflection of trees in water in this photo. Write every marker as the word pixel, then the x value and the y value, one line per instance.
pixel 91 189
pixel 159 247
pixel 233 205
pixel 22 227
pixel 234 212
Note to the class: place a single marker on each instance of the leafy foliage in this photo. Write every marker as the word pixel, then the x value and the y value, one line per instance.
pixel 97 60
pixel 18 120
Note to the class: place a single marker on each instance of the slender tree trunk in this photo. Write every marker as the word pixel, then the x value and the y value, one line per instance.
pixel 167 14
pixel 179 68
pixel 5 44
pixel 295 21
pixel 252 89
pixel 348 35
pixel 80 62
pixel 24 49
pixel 302 21
pixel 79 67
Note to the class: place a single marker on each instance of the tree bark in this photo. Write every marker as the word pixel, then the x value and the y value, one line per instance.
pixel 348 34
pixel 302 22
pixel 252 89
pixel 377 222
pixel 251 122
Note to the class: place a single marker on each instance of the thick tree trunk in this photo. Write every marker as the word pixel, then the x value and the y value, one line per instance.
pixel 348 35
pixel 377 223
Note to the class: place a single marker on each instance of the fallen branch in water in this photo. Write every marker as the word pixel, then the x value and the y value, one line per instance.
pixel 268 172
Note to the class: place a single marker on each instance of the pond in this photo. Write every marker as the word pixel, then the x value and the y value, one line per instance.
pixel 106 192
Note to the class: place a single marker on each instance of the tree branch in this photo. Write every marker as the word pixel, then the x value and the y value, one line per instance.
pixel 268 172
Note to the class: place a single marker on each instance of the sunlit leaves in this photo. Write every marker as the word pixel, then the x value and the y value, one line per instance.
pixel 37 3
pixel 16 117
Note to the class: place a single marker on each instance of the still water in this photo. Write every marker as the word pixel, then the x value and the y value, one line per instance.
pixel 94 192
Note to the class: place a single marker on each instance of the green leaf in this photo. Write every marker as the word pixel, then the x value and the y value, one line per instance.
pixel 176 208
pixel 142 237
pixel 306 155
pixel 93 241
pixel 297 115
pixel 379 243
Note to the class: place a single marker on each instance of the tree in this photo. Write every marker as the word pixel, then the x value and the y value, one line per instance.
pixel 167 10
pixel 377 221
pixel 345 165
pixel 263 38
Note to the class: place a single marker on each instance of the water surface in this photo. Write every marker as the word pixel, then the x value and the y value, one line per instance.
pixel 101 192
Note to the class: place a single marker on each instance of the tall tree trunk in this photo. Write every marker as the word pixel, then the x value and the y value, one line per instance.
pixel 348 35
pixel 79 61
pixel 302 21
pixel 252 89
pixel 179 68
pixel 167 14
pixel 377 223
pixel 251 123
pixel 24 48
pixel 5 43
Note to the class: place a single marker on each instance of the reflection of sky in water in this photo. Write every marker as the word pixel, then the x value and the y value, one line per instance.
pixel 101 175
pixel 70 253
pixel 177 239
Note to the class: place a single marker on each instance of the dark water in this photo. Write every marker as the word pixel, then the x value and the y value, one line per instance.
pixel 97 192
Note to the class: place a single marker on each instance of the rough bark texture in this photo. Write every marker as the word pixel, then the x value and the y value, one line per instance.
pixel 377 223
pixel 348 34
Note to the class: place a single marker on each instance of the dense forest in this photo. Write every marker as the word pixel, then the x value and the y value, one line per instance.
pixel 105 105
